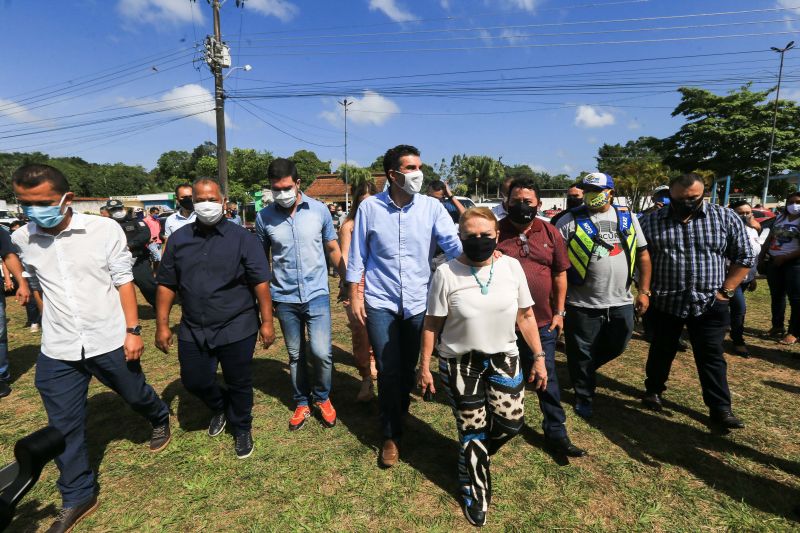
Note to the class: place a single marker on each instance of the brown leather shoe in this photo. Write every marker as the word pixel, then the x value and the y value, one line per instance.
pixel 389 453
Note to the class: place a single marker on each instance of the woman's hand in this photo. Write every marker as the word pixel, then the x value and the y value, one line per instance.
pixel 425 380
pixel 538 375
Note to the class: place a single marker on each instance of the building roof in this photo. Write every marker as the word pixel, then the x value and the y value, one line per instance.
pixel 331 187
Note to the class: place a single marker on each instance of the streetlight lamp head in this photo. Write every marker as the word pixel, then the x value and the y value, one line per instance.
pixel 774 48
pixel 790 45
pixel 248 68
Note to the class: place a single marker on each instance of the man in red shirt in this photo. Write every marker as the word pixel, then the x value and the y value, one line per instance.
pixel 543 255
pixel 155 238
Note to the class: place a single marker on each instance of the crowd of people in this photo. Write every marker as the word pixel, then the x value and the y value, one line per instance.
pixel 505 287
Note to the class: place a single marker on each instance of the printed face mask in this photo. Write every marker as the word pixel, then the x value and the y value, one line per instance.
pixel 596 199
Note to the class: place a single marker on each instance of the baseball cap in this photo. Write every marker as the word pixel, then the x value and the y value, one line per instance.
pixel 596 180
pixel 114 204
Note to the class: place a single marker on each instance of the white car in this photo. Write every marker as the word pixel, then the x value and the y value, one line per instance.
pixel 7 218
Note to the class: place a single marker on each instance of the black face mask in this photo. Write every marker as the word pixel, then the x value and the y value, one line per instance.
pixel 521 213
pixel 573 202
pixel 479 249
pixel 685 208
pixel 186 203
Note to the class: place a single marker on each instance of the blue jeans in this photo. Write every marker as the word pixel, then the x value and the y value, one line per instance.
pixel 396 343
pixel 738 307
pixel 784 281
pixel 593 338
pixel 64 385
pixel 5 375
pixel 313 317
pixel 550 398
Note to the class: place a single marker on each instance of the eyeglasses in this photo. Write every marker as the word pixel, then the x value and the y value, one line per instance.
pixel 522 242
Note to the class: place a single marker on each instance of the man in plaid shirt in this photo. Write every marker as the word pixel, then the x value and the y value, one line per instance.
pixel 700 254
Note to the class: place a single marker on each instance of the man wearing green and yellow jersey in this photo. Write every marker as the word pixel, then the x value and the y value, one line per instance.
pixel 606 249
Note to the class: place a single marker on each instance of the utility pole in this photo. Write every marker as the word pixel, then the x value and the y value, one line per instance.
pixel 781 51
pixel 346 103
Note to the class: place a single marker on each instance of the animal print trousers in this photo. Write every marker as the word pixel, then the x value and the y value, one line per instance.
pixel 486 393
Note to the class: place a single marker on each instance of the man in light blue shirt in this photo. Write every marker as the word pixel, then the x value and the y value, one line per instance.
pixel 395 235
pixel 297 232
pixel 185 213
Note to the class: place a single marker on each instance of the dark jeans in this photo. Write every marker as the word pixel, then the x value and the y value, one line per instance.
pixel 593 338
pixel 738 310
pixel 549 399
pixel 64 385
pixel 706 333
pixel 34 316
pixel 144 279
pixel 5 375
pixel 199 376
pixel 396 343
pixel 784 281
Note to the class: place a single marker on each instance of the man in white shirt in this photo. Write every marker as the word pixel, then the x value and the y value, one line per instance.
pixel 89 325
pixel 184 215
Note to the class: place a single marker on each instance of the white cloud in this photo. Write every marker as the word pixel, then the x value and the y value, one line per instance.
pixel 568 169
pixel 587 116
pixel 372 108
pixel 486 37
pixel 634 125
pixel 192 98
pixel 16 112
pixel 280 9
pixel 445 4
pixel 391 10
pixel 525 5
pixel 157 11
pixel 592 140
pixel 513 36
pixel 792 12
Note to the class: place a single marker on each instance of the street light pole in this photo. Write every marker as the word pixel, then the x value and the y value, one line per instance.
pixel 346 103
pixel 781 51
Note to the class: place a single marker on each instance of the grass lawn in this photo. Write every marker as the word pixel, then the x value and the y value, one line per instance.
pixel 645 471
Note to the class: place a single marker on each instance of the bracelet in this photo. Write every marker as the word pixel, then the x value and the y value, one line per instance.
pixel 561 313
pixel 540 355
pixel 646 293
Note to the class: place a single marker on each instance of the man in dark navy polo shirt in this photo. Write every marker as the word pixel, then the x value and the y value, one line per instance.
pixel 221 272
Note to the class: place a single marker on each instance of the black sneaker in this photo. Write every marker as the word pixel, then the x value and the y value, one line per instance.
pixel 473 516
pixel 217 424
pixel 160 437
pixel 244 445
pixel 5 389
pixel 68 517
pixel 652 401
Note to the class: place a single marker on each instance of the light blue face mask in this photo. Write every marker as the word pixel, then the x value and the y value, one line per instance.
pixel 45 216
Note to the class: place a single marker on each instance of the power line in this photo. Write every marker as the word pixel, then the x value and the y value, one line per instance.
pixel 241 104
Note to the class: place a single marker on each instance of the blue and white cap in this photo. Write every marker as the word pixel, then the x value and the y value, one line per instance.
pixel 596 180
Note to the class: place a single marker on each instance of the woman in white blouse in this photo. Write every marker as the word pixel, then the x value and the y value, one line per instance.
pixel 475 302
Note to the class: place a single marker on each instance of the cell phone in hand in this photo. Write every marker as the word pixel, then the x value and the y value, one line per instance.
pixel 427 395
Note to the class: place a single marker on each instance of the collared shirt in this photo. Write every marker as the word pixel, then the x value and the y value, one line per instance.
pixel 690 260
pixel 546 257
pixel 393 248
pixel 79 271
pixel 176 221
pixel 214 270
pixel 155 228
pixel 236 220
pixel 297 244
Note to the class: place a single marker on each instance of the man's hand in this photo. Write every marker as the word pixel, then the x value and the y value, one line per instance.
pixel 23 293
pixel 359 310
pixel 8 284
pixel 721 297
pixel 425 380
pixel 447 191
pixel 344 294
pixel 163 338
pixel 557 322
pixel 134 346
pixel 267 334
pixel 538 375
pixel 642 303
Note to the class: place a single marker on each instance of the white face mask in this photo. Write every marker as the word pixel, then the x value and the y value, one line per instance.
pixel 208 213
pixel 118 214
pixel 285 199
pixel 413 182
pixel 793 209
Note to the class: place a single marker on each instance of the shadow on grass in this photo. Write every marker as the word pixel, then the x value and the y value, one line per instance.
pixel 653 439
pixel 191 413
pixel 28 517
pixel 21 360
pixel 794 389
pixel 778 355
pixel 146 312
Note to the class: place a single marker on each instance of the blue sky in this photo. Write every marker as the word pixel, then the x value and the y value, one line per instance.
pixel 541 82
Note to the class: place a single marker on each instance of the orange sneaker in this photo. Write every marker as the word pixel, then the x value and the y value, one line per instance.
pixel 328 413
pixel 301 414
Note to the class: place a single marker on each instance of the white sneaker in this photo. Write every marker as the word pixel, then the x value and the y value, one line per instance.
pixel 367 392
pixel 34 328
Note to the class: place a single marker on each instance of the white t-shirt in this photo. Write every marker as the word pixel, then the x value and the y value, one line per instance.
pixel 476 321
pixel 785 236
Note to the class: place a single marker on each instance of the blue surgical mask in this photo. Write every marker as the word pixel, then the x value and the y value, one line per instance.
pixel 45 216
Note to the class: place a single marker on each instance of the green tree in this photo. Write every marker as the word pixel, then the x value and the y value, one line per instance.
pixel 479 172
pixel 729 135
pixel 171 165
pixel 355 175
pixel 206 167
pixel 309 166
pixel 636 167
pixel 248 167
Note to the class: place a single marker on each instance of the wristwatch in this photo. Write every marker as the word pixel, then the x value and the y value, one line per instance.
pixel 728 293
pixel 561 313
pixel 540 355
pixel 646 293
pixel 136 330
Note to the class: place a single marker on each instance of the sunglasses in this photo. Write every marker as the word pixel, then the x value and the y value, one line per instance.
pixel 522 242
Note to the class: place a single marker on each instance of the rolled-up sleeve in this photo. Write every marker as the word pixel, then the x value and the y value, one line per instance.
pixel 446 233
pixel 120 261
pixel 358 247
pixel 739 250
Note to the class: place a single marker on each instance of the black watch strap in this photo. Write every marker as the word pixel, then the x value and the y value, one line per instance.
pixel 136 330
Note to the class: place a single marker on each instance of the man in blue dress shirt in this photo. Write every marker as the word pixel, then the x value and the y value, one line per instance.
pixel 395 235
pixel 297 232
pixel 220 271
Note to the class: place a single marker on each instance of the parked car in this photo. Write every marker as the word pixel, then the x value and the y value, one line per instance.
pixel 762 214
pixel 466 202
pixel 7 218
